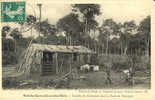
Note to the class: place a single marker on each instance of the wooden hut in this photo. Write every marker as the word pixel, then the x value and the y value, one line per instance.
pixel 42 59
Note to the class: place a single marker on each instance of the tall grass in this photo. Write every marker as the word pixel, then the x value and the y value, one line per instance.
pixel 120 62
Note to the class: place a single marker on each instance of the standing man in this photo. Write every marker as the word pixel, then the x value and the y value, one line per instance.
pixel 133 61
pixel 108 72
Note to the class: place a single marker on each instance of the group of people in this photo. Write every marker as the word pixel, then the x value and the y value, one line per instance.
pixel 129 76
pixel 129 73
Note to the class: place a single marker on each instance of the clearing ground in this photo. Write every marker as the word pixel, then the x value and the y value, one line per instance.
pixel 93 80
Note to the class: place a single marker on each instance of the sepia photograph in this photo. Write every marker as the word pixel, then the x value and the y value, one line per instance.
pixel 76 46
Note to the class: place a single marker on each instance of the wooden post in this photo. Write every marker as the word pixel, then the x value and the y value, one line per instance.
pixel 71 62
pixel 56 58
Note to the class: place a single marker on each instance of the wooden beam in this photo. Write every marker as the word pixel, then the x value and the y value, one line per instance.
pixel 56 60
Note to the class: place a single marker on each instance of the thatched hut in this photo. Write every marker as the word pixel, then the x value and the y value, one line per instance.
pixel 42 59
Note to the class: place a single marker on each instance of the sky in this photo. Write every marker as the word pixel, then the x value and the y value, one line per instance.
pixel 52 12
pixel 125 10
pixel 119 11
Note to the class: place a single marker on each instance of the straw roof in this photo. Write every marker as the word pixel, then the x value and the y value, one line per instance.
pixel 61 48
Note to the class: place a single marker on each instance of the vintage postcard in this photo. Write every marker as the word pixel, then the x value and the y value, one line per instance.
pixel 74 49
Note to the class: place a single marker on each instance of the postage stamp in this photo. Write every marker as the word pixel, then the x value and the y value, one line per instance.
pixel 13 11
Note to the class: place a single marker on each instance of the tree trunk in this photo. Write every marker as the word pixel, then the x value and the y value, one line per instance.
pixel 125 50
pixel 121 48
pixel 148 43
pixel 15 47
pixel 107 46
pixel 95 44
pixel 102 49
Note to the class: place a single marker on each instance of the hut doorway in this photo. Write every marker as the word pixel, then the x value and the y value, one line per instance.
pixel 47 63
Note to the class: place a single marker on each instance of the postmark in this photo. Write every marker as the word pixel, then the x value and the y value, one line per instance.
pixel 13 11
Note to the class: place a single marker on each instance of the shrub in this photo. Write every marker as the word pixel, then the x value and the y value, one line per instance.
pixel 120 62
pixel 143 63
pixel 111 58
pixel 9 58
pixel 118 66
pixel 9 83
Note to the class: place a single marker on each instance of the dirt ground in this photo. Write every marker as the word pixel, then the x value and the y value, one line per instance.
pixel 98 80
pixel 93 80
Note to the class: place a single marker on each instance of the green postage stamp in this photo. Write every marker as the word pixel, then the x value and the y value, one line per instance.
pixel 13 11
